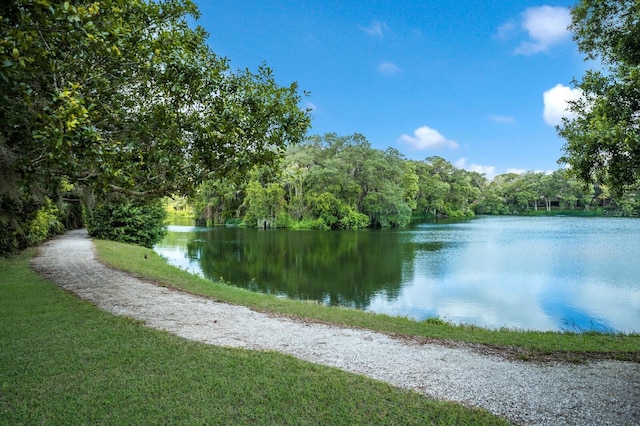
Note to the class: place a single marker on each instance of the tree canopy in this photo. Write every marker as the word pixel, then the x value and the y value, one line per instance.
pixel 603 140
pixel 125 97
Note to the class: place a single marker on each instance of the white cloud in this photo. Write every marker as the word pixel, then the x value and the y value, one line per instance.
pixel 523 171
pixel 376 29
pixel 310 106
pixel 488 171
pixel 545 25
pixel 502 119
pixel 516 171
pixel 389 68
pixel 427 138
pixel 556 103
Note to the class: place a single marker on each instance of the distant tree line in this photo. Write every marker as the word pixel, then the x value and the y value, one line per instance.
pixel 341 182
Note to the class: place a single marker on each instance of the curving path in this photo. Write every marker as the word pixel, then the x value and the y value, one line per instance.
pixel 604 392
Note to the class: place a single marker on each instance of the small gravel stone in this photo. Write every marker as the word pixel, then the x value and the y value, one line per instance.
pixel 602 392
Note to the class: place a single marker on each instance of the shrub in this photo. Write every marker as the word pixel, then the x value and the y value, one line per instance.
pixel 283 220
pixel 8 238
pixel 318 223
pixel 142 224
pixel 31 224
pixel 44 223
pixel 354 220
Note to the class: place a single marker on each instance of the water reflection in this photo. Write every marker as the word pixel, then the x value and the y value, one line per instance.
pixel 337 268
pixel 528 273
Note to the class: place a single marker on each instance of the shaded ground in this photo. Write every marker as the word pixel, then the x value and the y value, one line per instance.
pixel 594 392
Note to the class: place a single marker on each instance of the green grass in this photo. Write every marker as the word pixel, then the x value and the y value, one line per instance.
pixel 63 361
pixel 521 344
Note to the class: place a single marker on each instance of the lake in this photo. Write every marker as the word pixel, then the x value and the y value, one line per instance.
pixel 533 273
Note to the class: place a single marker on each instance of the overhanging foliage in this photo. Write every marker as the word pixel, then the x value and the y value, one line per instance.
pixel 125 96
pixel 603 140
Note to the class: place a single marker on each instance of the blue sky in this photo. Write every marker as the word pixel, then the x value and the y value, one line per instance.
pixel 480 83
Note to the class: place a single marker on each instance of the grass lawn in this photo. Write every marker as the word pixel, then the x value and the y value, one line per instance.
pixel 65 362
pixel 520 344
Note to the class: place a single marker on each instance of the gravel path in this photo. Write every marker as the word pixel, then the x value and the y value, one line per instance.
pixel 604 392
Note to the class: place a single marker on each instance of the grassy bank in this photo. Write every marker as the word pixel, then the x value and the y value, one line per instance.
pixel 63 361
pixel 523 345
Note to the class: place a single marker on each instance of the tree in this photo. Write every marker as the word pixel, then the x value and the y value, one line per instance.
pixel 519 191
pixel 505 194
pixel 603 140
pixel 629 203
pixel 432 187
pixel 444 190
pixel 264 204
pixel 124 96
pixel 293 177
pixel 217 200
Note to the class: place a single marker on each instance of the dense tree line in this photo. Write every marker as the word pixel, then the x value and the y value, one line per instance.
pixel 341 182
pixel 333 182
pixel 534 191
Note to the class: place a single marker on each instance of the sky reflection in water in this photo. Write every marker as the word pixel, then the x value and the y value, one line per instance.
pixel 552 273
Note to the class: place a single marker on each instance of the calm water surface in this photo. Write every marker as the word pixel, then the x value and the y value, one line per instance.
pixel 552 273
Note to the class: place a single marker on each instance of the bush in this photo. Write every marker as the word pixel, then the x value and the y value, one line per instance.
pixel 8 238
pixel 142 224
pixel 318 223
pixel 233 222
pixel 354 220
pixel 44 223
pixel 30 224
pixel 283 220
